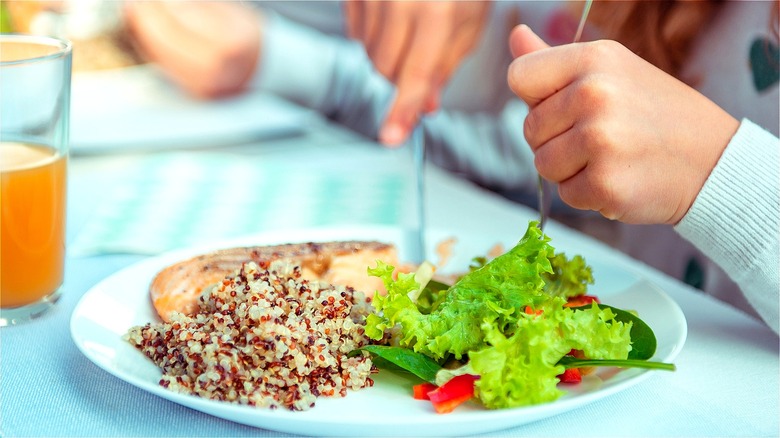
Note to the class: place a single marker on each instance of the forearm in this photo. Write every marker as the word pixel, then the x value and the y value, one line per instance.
pixel 735 219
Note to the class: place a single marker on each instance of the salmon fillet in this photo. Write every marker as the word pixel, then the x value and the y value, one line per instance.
pixel 178 287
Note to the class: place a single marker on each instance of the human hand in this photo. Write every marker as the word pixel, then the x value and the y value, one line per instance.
pixel 620 136
pixel 417 46
pixel 208 48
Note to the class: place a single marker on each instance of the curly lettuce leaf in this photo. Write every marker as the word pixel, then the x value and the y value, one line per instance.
pixel 431 296
pixel 522 369
pixel 570 277
pixel 507 317
pixel 495 293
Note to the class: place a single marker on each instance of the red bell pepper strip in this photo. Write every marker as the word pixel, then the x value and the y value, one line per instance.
pixel 530 311
pixel 581 300
pixel 421 391
pixel 447 406
pixel 456 391
pixel 571 375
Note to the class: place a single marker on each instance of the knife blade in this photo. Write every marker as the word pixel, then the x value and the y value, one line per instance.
pixel 418 156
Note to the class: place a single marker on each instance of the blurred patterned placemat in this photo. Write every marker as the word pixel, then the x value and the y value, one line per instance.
pixel 174 200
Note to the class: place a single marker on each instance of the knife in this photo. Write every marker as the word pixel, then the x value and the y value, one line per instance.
pixel 418 154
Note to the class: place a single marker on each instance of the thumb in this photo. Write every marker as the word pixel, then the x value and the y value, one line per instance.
pixel 523 40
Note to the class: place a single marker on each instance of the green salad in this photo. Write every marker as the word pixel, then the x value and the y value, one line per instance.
pixel 509 325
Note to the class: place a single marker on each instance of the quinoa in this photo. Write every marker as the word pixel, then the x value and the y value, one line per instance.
pixel 264 337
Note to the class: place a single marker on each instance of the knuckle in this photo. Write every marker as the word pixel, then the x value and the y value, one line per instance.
pixel 594 91
pixel 600 58
pixel 596 52
pixel 611 48
pixel 589 55
pixel 597 139
pixel 591 136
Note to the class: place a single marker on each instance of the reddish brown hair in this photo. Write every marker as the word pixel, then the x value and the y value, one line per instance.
pixel 661 32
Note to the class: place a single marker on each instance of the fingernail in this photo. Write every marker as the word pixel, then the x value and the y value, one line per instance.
pixel 392 135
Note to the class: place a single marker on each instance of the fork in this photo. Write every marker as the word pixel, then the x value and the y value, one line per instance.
pixel 544 187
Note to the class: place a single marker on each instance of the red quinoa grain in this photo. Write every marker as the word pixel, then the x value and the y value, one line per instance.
pixel 263 337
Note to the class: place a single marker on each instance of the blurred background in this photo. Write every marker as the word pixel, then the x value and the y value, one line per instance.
pixel 94 26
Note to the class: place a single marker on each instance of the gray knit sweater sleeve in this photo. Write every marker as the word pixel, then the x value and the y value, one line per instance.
pixel 735 219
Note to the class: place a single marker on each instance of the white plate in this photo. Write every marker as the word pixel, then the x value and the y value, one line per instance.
pixel 120 301
pixel 136 108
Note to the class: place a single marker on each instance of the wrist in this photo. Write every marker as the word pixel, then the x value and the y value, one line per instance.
pixel 712 141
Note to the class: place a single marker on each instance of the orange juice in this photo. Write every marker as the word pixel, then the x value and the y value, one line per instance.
pixel 32 222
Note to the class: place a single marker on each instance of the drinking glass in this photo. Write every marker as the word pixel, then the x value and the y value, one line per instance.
pixel 34 120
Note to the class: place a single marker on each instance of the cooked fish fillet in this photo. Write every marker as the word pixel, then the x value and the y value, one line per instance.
pixel 178 287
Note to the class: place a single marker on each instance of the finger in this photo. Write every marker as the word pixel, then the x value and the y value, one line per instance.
pixel 398 125
pixel 541 71
pixel 607 191
pixel 450 61
pixel 523 40
pixel 353 17
pixel 550 118
pixel 462 43
pixel 614 191
pixel 561 157
pixel 392 40
pixel 580 191
pixel 372 14
pixel 441 78
pixel 433 101
pixel 415 79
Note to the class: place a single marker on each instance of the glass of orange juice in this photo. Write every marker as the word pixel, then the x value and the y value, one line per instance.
pixel 34 120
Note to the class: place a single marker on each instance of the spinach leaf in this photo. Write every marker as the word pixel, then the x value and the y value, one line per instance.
pixel 418 364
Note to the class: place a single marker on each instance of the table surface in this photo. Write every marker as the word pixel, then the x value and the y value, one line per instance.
pixel 726 383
